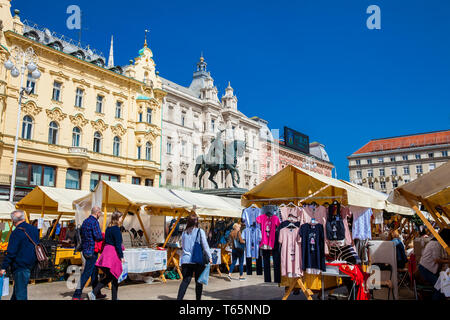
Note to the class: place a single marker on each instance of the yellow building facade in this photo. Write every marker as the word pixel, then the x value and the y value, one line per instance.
pixel 83 122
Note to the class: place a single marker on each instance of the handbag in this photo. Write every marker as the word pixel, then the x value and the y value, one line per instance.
pixel 198 254
pixel 204 277
pixel 41 253
pixel 238 245
pixel 124 273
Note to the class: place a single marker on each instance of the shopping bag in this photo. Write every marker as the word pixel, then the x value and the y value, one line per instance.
pixel 204 277
pixel 4 286
pixel 124 274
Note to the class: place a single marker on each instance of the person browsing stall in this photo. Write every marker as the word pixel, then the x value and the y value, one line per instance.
pixel 237 245
pixel 20 254
pixel 188 268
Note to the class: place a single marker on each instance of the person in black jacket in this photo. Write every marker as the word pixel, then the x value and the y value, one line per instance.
pixel 20 254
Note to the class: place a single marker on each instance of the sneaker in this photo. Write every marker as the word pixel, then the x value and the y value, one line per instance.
pixel 100 296
pixel 242 279
pixel 91 296
pixel 76 298
pixel 228 278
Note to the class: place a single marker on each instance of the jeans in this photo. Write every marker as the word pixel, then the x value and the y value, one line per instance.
pixel 89 271
pixel 276 265
pixel 21 279
pixel 235 256
pixel 259 267
pixel 104 282
pixel 432 279
pixel 187 270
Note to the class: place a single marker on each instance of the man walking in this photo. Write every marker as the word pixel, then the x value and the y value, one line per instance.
pixel 90 233
pixel 20 254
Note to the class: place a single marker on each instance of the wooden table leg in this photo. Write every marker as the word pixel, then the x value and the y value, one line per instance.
pixel 289 289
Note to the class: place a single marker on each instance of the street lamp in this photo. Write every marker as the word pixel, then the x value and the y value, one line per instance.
pixel 24 60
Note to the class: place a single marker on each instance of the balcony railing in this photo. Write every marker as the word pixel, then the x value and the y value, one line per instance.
pixel 5 179
pixel 78 151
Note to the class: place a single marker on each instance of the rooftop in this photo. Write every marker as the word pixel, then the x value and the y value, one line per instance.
pixel 406 141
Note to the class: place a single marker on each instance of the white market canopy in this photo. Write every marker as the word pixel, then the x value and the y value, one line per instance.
pixel 50 200
pixel 6 208
pixel 159 201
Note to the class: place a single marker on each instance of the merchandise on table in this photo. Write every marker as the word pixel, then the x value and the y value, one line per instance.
pixel 145 260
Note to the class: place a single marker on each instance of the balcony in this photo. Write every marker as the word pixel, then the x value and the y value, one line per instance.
pixel 145 168
pixel 78 151
pixel 77 156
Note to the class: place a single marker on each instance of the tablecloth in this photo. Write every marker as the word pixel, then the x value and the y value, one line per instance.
pixel 142 260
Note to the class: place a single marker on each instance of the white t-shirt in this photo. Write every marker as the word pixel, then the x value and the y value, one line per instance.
pixel 432 251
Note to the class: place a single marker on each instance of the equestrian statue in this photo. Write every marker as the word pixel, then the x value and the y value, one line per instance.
pixel 220 158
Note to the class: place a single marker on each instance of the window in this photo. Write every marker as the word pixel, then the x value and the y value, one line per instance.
pixel 149 115
pixel 169 147
pixel 371 186
pixel 405 157
pixel 148 151
pixel 445 153
pixel 138 155
pixel 73 178
pixel 392 159
pixel 183 119
pixel 149 182
pixel 380 160
pixel 247 164
pixel 394 184
pixel 369 161
pixel 79 98
pixel 96 177
pixel 116 146
pixel 99 107
pixel 27 127
pixel 136 180
pixel 359 174
pixel 255 166
pixel 394 171
pixel 183 148
pixel 405 170
pixel 56 91
pixel 118 109
pixel 140 117
pixel 383 185
pixel 53 133
pixel 76 137
pixel 382 172
pixel 31 83
pixel 432 166
pixel 358 162
pixel 213 125
pixel 431 155
pixel 195 151
pixel 29 174
pixel 370 173
pixel 419 169
pixel 97 142
pixel 417 156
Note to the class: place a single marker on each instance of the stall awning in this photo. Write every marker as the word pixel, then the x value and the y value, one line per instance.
pixel 295 183
pixel 433 187
pixel 390 207
pixel 55 200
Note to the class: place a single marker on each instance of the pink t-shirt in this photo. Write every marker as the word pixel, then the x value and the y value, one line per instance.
pixel 294 212
pixel 345 213
pixel 268 228
pixel 291 258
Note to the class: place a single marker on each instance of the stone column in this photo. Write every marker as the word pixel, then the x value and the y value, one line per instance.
pixel 61 177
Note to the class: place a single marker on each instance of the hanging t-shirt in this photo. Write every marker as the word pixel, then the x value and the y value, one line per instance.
pixel 345 213
pixel 313 248
pixel 269 225
pixel 319 213
pixel 249 216
pixel 361 223
pixel 291 213
pixel 291 259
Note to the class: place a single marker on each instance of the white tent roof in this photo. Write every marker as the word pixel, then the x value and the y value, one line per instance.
pixel 6 208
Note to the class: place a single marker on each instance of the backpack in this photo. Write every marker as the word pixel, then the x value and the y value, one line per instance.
pixel 77 240
pixel 41 253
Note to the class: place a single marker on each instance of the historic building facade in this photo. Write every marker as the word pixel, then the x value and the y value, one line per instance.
pixel 384 164
pixel 83 121
pixel 275 156
pixel 192 117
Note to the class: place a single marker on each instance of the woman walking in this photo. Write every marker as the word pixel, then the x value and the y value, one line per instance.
pixel 237 244
pixel 191 234
pixel 111 259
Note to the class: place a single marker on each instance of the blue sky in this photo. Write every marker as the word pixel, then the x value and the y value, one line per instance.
pixel 310 65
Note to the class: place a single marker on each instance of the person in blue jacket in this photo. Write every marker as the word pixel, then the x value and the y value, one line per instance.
pixel 20 254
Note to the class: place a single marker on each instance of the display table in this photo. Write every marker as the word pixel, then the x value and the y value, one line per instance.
pixel 333 271
pixel 67 254
pixel 145 260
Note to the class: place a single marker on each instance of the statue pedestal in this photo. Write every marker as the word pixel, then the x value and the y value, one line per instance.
pixel 229 192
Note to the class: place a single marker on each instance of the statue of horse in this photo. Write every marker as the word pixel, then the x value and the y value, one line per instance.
pixel 232 152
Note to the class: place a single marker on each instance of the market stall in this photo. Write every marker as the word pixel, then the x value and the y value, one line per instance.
pixel 432 190
pixel 6 208
pixel 309 201
pixel 144 202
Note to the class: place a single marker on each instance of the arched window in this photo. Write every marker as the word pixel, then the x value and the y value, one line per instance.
pixel 138 156
pixel 27 127
pixel 148 151
pixel 53 133
pixel 97 142
pixel 116 146
pixel 76 137
pixel 149 115
pixel 140 117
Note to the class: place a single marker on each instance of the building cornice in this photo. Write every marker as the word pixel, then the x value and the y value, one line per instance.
pixel 398 151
